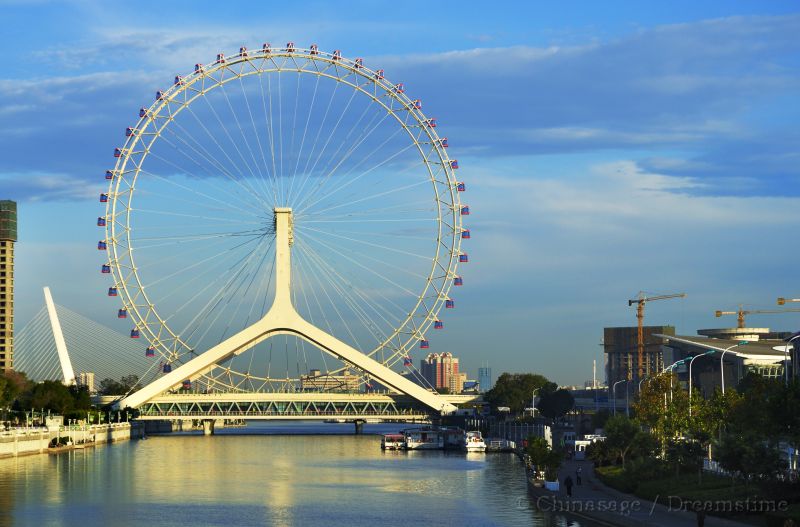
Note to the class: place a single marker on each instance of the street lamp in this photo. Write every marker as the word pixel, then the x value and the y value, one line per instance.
pixel 709 352
pixel 722 366
pixel 614 393
pixel 786 359
pixel 533 401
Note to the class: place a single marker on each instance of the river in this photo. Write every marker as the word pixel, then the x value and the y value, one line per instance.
pixel 282 474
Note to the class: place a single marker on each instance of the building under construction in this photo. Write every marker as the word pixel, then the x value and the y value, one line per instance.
pixel 621 349
pixel 8 235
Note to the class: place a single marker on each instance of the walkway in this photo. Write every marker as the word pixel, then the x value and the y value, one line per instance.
pixel 602 505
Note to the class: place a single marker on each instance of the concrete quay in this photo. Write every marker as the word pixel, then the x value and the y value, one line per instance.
pixel 28 441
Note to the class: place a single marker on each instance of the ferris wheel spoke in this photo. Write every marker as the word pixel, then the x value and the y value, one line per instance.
pixel 233 144
pixel 347 183
pixel 305 133
pixel 254 170
pixel 356 240
pixel 240 179
pixel 350 290
pixel 270 134
pixel 321 127
pixel 202 152
pixel 370 128
pixel 266 175
pixel 359 264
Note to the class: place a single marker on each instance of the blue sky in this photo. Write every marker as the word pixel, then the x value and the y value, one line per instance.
pixel 609 147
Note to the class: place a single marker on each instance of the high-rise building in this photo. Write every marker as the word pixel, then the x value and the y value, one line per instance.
pixel 439 369
pixel 485 379
pixel 8 235
pixel 621 348
pixel 86 378
pixel 316 381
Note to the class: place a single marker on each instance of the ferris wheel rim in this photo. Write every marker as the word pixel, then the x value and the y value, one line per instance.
pixel 425 311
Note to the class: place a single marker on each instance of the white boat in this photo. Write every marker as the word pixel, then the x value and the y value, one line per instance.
pixel 393 442
pixel 424 439
pixel 473 442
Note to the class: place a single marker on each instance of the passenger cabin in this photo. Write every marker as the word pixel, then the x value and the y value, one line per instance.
pixel 337 54
pixel 379 74
pixel 463 258
pixel 117 152
pixel 122 313
pixel 454 164
pixel 465 235
pixel 314 49
pixel 399 88
pixel 220 58
pixel 266 48
pixel 101 246
pixel 465 210
pixel 198 68
pixel 159 95
pixel 134 333
pixel 407 361
pixel 128 132
pixel 449 304
pixel 461 186
pixel 438 324
pixel 187 384
pixel 150 352
pixel 443 142
pixel 103 198
pixel 424 344
pixel 242 51
pixel 105 269
pixel 290 46
pixel 142 112
pixel 416 104
pixel 458 281
pixel 112 291
pixel 101 222
pixel 359 63
pixel 167 368
pixel 430 123
pixel 109 174
pixel 178 80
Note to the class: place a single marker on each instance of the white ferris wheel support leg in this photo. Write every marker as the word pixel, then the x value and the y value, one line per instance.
pixel 282 318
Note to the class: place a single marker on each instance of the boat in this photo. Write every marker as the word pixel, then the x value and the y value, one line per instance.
pixel 500 445
pixel 473 442
pixel 393 442
pixel 424 439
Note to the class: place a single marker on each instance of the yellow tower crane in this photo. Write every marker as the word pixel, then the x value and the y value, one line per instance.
pixel 640 301
pixel 741 313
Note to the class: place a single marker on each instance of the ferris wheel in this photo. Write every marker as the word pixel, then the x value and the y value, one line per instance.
pixel 192 229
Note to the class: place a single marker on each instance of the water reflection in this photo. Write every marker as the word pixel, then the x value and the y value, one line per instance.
pixel 237 478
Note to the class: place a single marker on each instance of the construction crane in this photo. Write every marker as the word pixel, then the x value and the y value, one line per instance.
pixel 741 313
pixel 782 301
pixel 640 302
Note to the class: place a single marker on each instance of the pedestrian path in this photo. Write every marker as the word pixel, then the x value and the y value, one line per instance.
pixel 598 504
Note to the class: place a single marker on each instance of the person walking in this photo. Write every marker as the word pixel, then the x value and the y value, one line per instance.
pixel 578 476
pixel 568 485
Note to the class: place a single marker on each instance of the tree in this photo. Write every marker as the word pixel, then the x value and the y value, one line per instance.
pixel 545 458
pixel 621 434
pixel 746 455
pixel 515 390
pixel 556 404
pixel 49 395
pixel 126 384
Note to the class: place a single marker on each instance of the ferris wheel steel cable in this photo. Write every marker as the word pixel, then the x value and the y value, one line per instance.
pixel 254 183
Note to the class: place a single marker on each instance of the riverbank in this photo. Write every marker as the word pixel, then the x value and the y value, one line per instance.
pixel 28 441
pixel 596 502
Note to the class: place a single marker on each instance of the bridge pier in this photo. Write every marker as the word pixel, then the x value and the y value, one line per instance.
pixel 359 426
pixel 208 427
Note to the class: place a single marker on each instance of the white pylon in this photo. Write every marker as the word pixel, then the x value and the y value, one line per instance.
pixel 58 335
pixel 283 319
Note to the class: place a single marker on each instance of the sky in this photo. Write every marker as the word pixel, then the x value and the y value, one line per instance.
pixel 608 147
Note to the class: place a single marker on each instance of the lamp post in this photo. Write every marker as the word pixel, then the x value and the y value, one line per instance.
pixel 722 366
pixel 533 401
pixel 786 359
pixel 690 377
pixel 614 393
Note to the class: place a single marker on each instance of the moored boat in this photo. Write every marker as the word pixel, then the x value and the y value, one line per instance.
pixel 393 442
pixel 424 439
pixel 473 442
pixel 500 445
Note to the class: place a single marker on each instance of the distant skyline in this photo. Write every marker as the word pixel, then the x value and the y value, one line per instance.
pixel 607 147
